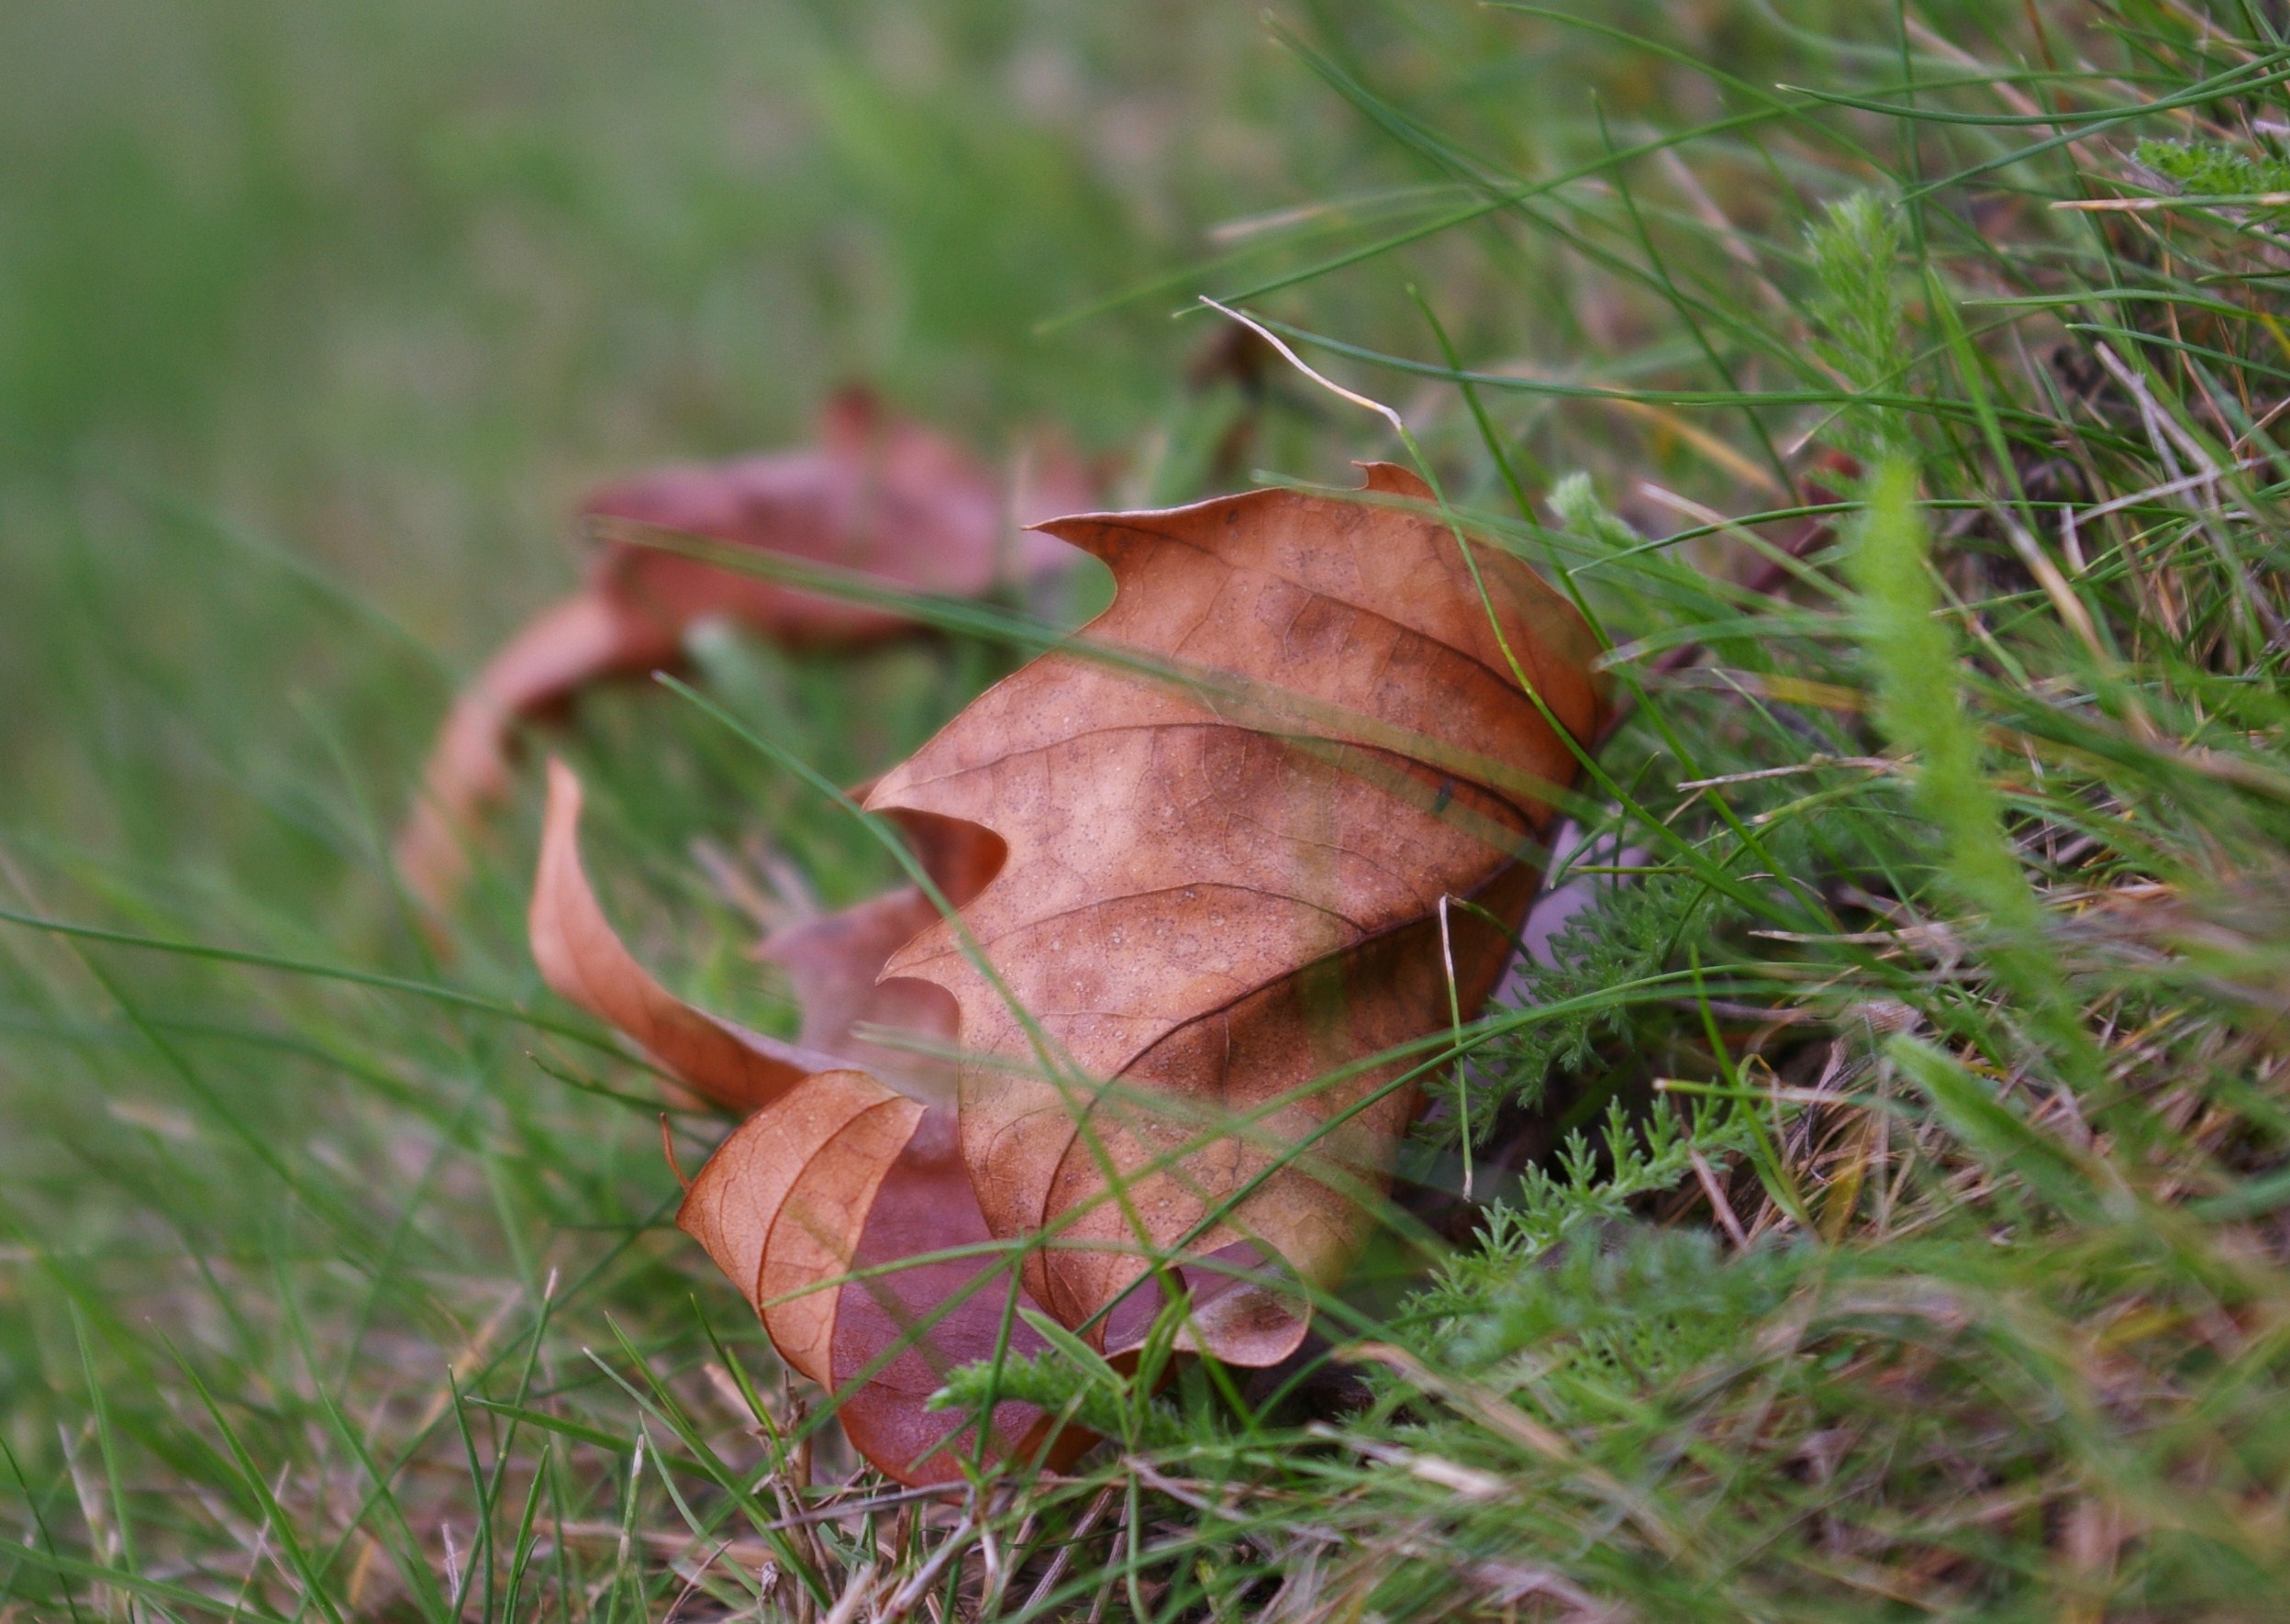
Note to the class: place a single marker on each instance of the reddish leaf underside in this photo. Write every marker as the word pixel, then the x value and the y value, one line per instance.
pixel 829 1205
pixel 1200 860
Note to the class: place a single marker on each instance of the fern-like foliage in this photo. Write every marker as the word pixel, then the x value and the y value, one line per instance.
pixel 1597 980
pixel 2205 169
pixel 1572 1200
pixel 1582 1315
pixel 1071 1380
pixel 1857 315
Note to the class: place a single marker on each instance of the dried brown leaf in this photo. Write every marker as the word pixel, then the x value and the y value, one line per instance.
pixel 878 496
pixel 1199 860
pixel 828 1204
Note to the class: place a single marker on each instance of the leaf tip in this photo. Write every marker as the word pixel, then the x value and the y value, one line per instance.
pixel 1389 478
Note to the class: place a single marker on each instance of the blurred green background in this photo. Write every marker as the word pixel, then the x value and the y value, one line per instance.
pixel 315 321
